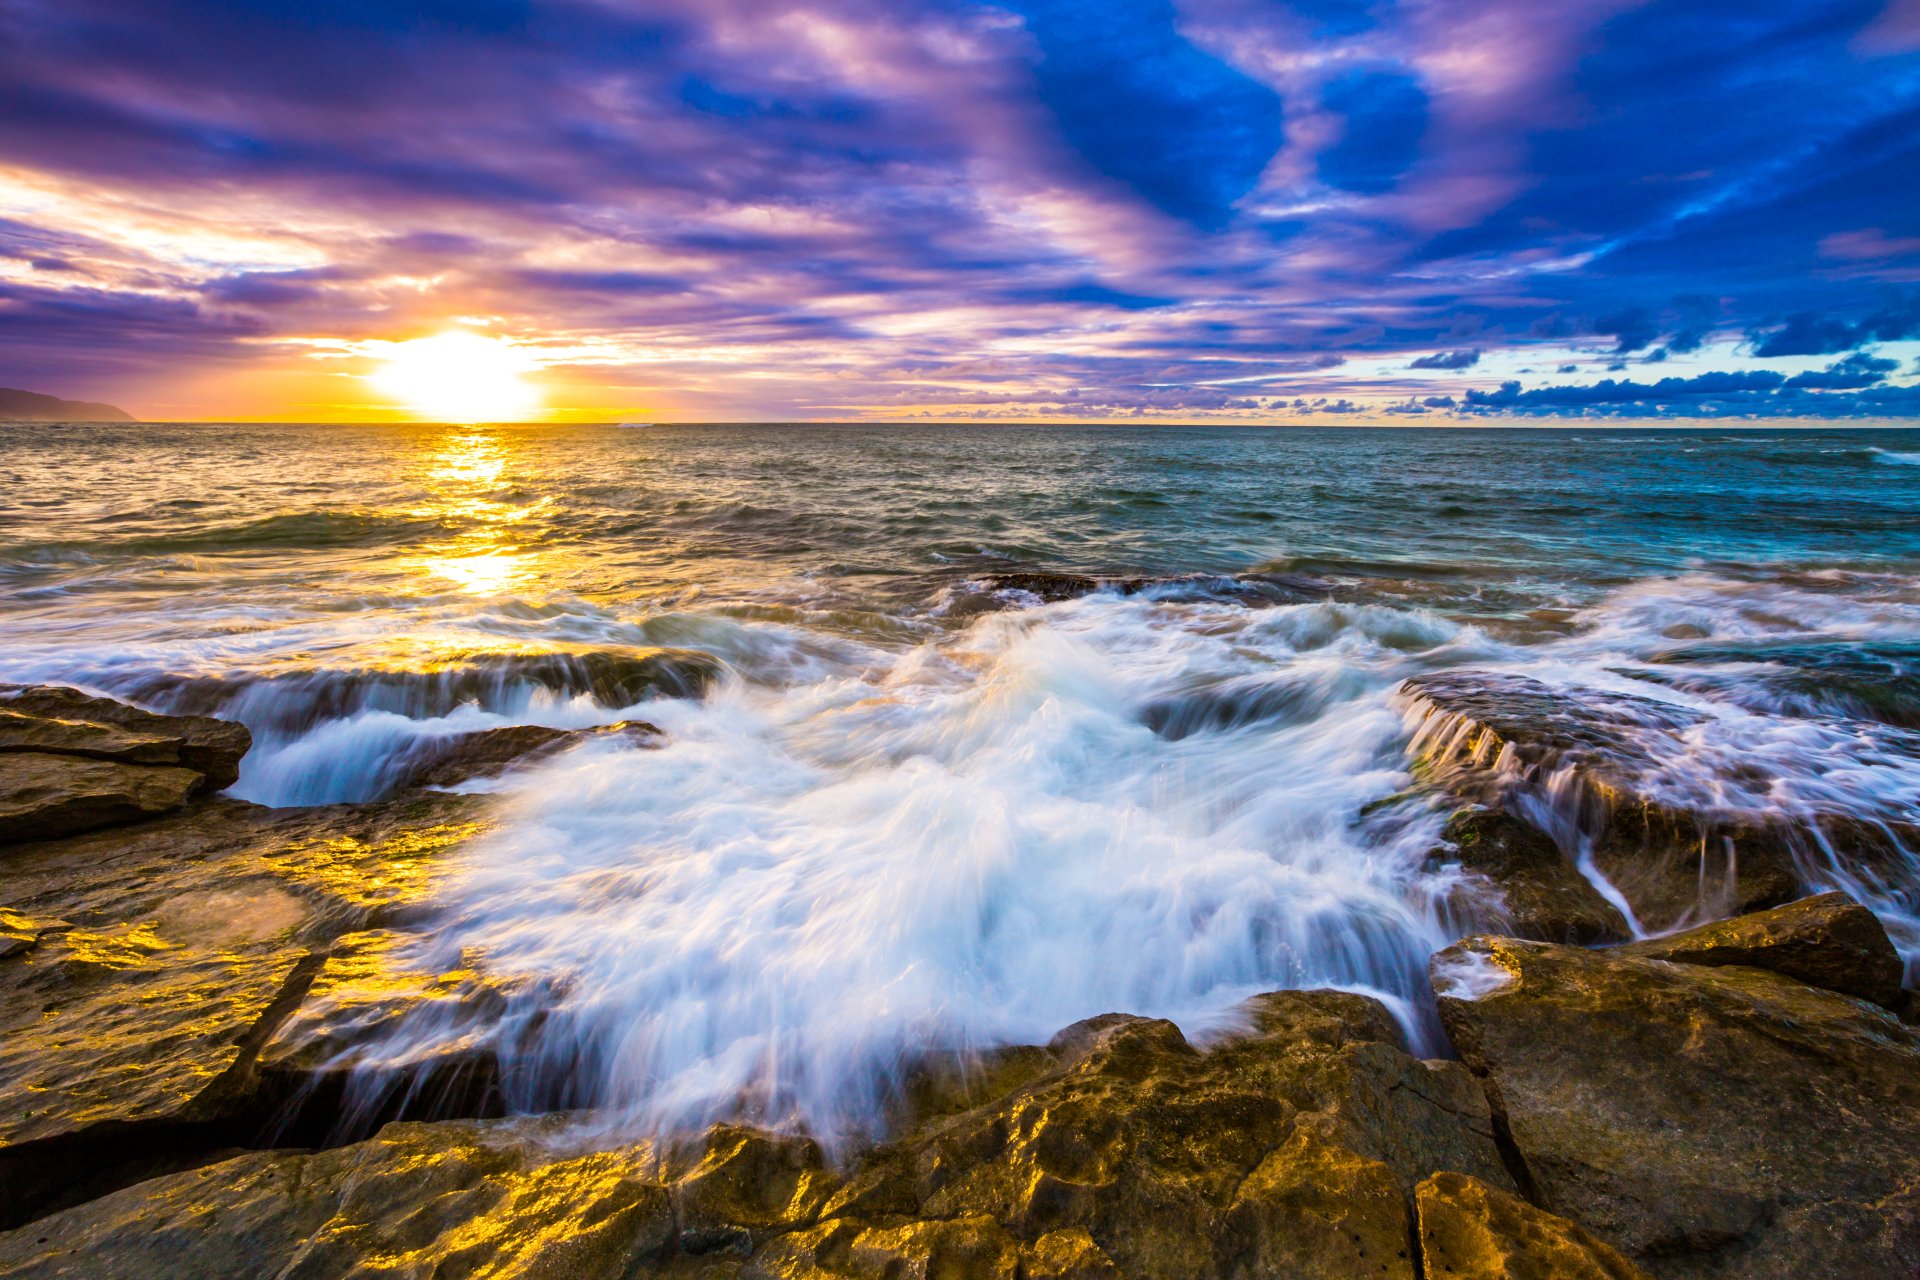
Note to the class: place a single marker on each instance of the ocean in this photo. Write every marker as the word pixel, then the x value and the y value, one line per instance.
pixel 930 804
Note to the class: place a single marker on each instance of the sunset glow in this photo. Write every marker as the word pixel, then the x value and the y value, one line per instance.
pixel 1463 211
pixel 459 377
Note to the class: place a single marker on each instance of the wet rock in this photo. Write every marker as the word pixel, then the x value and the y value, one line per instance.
pixel 1275 697
pixel 1855 680
pixel 1313 1210
pixel 56 718
pixel 45 796
pixel 1543 894
pixel 163 957
pixel 1471 1231
pixel 1826 941
pixel 505 1199
pixel 1046 587
pixel 384 1032
pixel 488 753
pixel 1590 769
pixel 748 1187
pixel 1289 1148
pixel 999 590
pixel 1707 1121
pixel 423 686
pixel 1146 1144
pixel 20 934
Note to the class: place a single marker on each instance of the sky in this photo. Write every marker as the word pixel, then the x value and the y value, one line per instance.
pixel 1383 211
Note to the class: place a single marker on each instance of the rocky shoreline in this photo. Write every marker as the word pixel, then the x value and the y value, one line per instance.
pixel 198 1001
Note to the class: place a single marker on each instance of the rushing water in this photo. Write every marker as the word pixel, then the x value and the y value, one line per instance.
pixel 907 822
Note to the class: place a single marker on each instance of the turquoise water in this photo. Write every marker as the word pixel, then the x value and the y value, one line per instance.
pixel 923 809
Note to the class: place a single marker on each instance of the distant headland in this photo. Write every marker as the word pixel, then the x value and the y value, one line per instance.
pixel 31 406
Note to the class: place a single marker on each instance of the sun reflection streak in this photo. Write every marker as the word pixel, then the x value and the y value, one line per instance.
pixel 466 478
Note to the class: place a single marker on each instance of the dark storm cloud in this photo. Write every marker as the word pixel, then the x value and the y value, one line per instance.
pixel 1851 374
pixel 1809 334
pixel 1447 360
pixel 1123 205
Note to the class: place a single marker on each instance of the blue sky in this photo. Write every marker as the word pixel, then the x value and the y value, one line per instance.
pixel 1329 210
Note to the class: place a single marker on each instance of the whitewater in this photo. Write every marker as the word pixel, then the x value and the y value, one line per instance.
pixel 929 807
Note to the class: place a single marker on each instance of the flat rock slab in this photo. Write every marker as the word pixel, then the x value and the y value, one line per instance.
pixel 428 684
pixel 162 955
pixel 1722 1122
pixel 1828 940
pixel 44 796
pixel 1596 771
pixel 1119 1150
pixel 487 753
pixel 209 746
pixel 391 1028
pixel 1855 680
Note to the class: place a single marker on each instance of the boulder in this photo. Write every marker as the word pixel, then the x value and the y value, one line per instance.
pixel 1589 768
pixel 1543 894
pixel 487 753
pixel 1471 1231
pixel 162 957
pixel 78 723
pixel 1828 940
pixel 1120 1150
pixel 44 796
pixel 1302 1135
pixel 1707 1121
pixel 504 1199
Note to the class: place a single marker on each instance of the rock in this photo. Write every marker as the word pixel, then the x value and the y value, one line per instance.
pixel 45 796
pixel 1587 767
pixel 1048 588
pixel 71 762
pixel 384 1033
pixel 81 724
pixel 21 732
pixel 504 1199
pixel 748 1187
pixel 424 686
pixel 1543 894
pixel 1854 680
pixel 1827 941
pixel 488 753
pixel 1120 1150
pixel 1145 1144
pixel 164 956
pixel 1708 1122
pixel 1311 1210
pixel 20 934
pixel 1471 1231
pixel 1002 590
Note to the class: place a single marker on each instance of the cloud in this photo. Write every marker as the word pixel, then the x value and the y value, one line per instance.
pixel 1632 329
pixel 746 208
pixel 1846 390
pixel 1447 360
pixel 1809 334
pixel 1854 372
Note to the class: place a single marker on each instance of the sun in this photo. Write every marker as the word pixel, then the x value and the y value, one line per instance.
pixel 459 377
